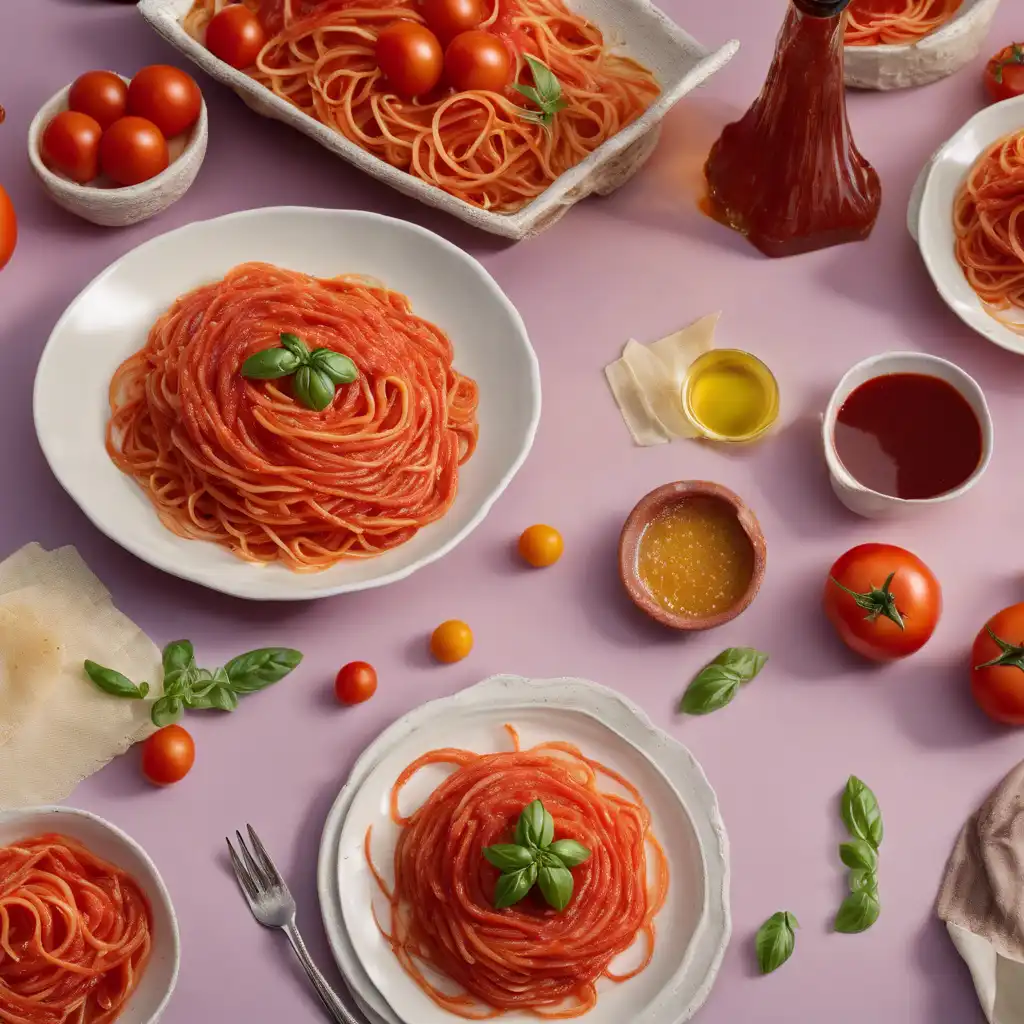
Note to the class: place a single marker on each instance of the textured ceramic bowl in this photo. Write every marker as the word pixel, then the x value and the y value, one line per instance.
pixel 118 207
pixel 647 510
pixel 936 56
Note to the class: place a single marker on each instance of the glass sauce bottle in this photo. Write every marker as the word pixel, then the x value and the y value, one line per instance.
pixel 788 175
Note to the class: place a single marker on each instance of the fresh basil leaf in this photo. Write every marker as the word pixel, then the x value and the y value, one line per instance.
pixel 569 852
pixel 509 857
pixel 270 364
pixel 338 368
pixel 713 688
pixel 775 941
pixel 166 711
pixel 746 662
pixel 114 683
pixel 548 87
pixel 222 698
pixel 514 886
pixel 547 830
pixel 179 684
pixel 859 855
pixel 530 824
pixel 320 389
pixel 867 881
pixel 178 657
pixel 859 911
pixel 294 344
pixel 861 813
pixel 300 386
pixel 556 886
pixel 530 93
pixel 260 668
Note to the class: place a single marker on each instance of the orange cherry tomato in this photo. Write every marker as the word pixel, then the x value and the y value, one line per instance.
pixel 1004 73
pixel 100 94
pixel 8 229
pixel 167 96
pixel 133 150
pixel 70 145
pixel 541 545
pixel 168 755
pixel 477 60
pixel 410 57
pixel 451 641
pixel 236 36
pixel 447 18
pixel 356 682
pixel 997 666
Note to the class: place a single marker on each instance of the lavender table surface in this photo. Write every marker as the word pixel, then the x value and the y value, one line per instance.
pixel 639 264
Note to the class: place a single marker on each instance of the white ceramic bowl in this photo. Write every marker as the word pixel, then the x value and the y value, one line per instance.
pixel 109 842
pixel 930 215
pixel 118 207
pixel 938 55
pixel 112 317
pixel 872 504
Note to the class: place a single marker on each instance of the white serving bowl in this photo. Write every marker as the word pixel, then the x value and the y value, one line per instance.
pixel 873 504
pixel 938 55
pixel 930 215
pixel 105 840
pixel 118 207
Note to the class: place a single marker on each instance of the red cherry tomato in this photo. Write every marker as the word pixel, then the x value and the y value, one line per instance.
pixel 166 96
pixel 477 60
pixel 997 671
pixel 71 144
pixel 1004 73
pixel 133 150
pixel 100 94
pixel 410 57
pixel 168 755
pixel 8 228
pixel 447 18
pixel 236 36
pixel 356 682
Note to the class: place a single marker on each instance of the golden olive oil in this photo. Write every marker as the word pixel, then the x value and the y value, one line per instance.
pixel 730 395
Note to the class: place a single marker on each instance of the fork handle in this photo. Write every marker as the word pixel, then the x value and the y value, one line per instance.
pixel 338 1010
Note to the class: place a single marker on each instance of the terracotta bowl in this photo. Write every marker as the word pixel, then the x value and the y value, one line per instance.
pixel 648 509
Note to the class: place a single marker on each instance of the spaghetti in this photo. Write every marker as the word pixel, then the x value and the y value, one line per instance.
pixel 896 22
pixel 75 934
pixel 475 145
pixel 528 957
pixel 988 219
pixel 242 463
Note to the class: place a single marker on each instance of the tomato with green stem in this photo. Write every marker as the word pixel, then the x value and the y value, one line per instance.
pixel 1004 73
pixel 883 601
pixel 997 666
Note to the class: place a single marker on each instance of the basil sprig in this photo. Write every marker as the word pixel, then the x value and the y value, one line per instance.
pixel 863 819
pixel 186 685
pixel 315 375
pixel 716 684
pixel 535 858
pixel 546 93
pixel 775 941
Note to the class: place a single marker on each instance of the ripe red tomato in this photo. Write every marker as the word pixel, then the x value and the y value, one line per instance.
pixel 8 228
pixel 997 666
pixel 236 36
pixel 447 18
pixel 70 145
pixel 883 601
pixel 166 96
pixel 168 755
pixel 410 57
pixel 100 94
pixel 477 60
pixel 356 682
pixel 133 150
pixel 1004 73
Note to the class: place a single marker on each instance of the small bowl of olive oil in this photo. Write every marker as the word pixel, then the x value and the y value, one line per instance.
pixel 730 396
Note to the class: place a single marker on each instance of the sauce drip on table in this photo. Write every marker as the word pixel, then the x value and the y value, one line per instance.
pixel 908 435
pixel 695 558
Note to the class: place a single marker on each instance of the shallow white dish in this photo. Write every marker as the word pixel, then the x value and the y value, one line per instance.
pixel 693 929
pixel 112 317
pixel 679 62
pixel 930 216
pixel 109 842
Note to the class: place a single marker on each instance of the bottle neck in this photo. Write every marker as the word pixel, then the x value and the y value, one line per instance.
pixel 821 8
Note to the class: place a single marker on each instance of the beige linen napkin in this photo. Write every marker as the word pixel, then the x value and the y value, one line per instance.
pixel 982 900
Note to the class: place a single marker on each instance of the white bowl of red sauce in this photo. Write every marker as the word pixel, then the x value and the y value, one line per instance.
pixel 905 431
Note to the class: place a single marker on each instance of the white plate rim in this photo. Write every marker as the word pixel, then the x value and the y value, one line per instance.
pixel 615 712
pixel 169 565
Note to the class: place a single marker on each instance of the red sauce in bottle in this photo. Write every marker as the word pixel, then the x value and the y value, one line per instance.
pixel 788 175
pixel 908 435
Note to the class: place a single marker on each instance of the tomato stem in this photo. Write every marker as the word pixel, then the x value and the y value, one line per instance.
pixel 877 601
pixel 1010 655
pixel 1016 57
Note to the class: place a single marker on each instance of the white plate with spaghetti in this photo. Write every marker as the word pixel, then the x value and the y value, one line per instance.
pixel 691 929
pixel 367 488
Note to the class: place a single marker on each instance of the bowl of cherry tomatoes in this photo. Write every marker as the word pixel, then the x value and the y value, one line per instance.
pixel 116 151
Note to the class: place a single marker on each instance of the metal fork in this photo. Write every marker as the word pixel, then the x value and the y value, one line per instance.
pixel 272 905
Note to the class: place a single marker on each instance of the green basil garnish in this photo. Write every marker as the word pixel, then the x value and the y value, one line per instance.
pixel 716 684
pixel 114 683
pixel 545 93
pixel 863 819
pixel 315 375
pixel 775 941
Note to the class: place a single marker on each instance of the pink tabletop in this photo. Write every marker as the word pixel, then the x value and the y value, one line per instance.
pixel 638 264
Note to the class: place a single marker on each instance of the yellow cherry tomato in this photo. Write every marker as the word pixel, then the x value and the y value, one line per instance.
pixel 451 641
pixel 541 545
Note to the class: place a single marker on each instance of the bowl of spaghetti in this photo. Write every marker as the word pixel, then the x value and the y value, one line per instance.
pixel 966 216
pixel 119 928
pixel 898 44
pixel 469 152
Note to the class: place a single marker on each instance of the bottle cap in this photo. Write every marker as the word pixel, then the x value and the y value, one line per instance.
pixel 822 8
